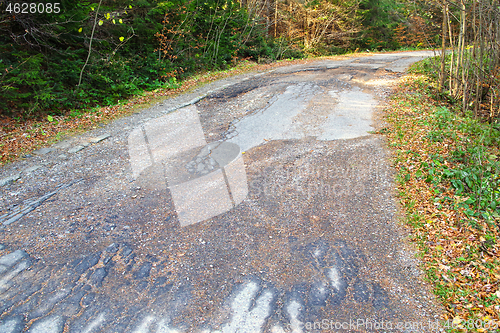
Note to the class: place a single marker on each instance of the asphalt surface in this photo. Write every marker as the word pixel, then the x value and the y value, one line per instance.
pixel 258 203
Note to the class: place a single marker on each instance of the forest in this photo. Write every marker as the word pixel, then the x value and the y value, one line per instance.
pixel 90 53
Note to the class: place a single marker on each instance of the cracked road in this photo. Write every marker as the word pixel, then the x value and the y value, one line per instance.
pixel 258 203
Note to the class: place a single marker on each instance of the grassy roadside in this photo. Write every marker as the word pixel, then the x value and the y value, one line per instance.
pixel 448 181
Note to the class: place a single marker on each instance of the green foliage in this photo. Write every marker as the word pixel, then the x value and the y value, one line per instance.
pixel 24 82
pixel 475 172
pixel 379 19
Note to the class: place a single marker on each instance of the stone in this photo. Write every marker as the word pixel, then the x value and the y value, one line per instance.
pixel 62 156
pixel 5 282
pixel 87 262
pixel 100 138
pixel 63 144
pixel 32 169
pixel 2 247
pixel 9 260
pixel 11 179
pixel 106 259
pixel 77 295
pixel 143 271
pixel 112 248
pixel 76 149
pixel 98 276
pixel 43 151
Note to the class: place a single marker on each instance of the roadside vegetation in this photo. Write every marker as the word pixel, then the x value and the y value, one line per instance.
pixel 448 180
pixel 445 130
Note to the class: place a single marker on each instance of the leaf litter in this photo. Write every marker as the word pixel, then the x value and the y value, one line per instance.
pixel 459 250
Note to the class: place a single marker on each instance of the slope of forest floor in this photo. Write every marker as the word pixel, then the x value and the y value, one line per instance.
pixel 448 184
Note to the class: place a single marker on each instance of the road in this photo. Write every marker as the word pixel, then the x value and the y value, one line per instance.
pixel 257 203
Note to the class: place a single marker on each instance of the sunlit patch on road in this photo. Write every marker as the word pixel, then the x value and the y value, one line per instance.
pixel 351 117
pixel 274 122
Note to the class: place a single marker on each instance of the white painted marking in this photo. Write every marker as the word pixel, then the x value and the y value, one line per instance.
pixel 96 323
pixel 335 277
pixel 52 324
pixel 244 320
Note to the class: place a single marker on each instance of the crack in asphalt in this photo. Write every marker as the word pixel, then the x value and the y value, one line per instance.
pixel 17 212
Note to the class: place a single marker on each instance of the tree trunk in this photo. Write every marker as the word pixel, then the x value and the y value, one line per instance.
pixel 442 77
pixel 275 18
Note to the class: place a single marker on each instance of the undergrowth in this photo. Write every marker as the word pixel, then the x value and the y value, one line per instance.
pixel 448 179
